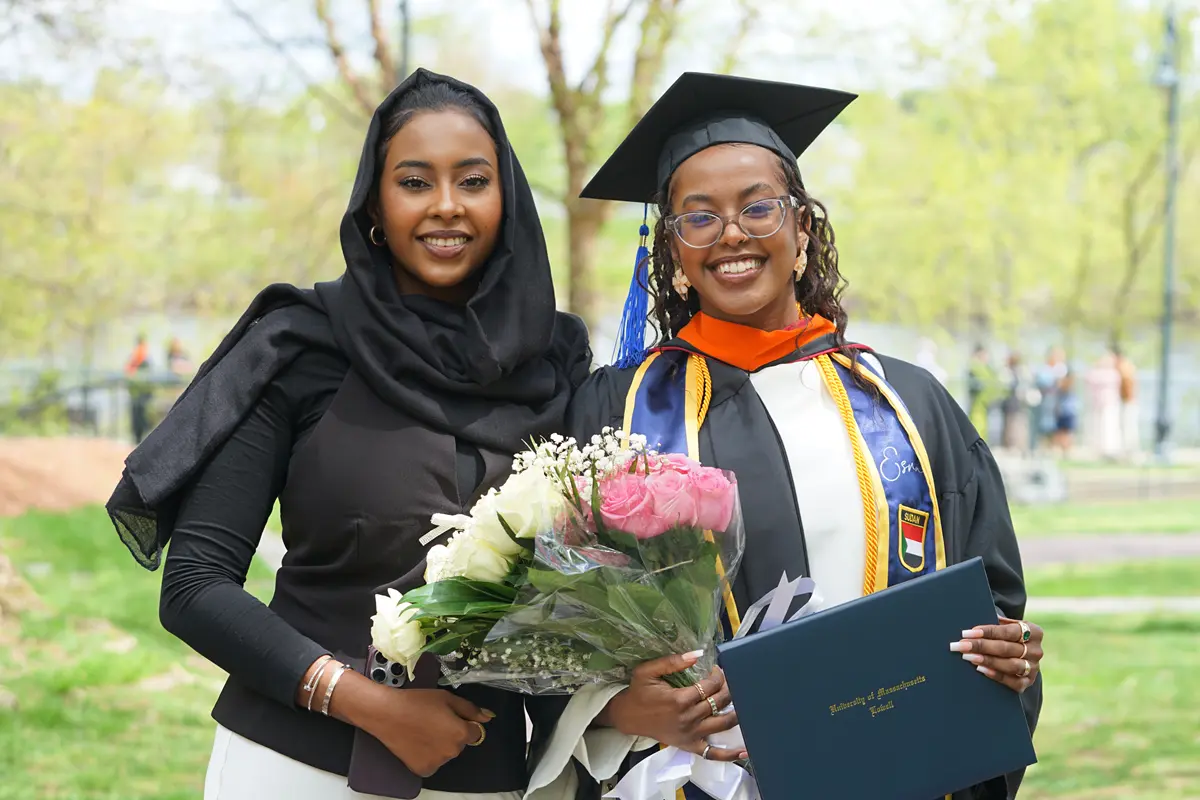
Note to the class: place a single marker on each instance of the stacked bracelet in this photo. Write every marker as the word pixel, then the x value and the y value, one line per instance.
pixel 312 682
pixel 337 676
pixel 316 681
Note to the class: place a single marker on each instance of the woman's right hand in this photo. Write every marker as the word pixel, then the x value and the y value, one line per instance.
pixel 424 728
pixel 681 717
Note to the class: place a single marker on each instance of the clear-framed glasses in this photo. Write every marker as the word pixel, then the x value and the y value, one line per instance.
pixel 760 219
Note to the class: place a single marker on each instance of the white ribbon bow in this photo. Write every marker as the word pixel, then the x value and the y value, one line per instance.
pixel 663 773
pixel 444 523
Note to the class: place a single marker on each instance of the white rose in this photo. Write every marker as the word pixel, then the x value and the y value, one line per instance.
pixel 530 503
pixel 437 564
pixel 485 525
pixel 471 557
pixel 394 632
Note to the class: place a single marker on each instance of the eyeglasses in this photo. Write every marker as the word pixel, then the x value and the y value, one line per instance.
pixel 760 219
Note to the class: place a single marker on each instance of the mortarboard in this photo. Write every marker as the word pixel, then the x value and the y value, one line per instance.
pixel 698 111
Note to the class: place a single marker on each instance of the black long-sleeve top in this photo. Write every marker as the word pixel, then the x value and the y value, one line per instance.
pixel 220 523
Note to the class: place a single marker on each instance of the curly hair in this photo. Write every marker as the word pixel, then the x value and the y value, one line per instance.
pixel 818 291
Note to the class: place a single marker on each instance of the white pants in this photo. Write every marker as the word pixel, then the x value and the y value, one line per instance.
pixel 240 769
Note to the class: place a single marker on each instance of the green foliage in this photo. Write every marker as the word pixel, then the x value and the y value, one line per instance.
pixel 1003 196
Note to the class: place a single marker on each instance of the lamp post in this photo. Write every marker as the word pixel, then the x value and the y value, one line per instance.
pixel 1168 79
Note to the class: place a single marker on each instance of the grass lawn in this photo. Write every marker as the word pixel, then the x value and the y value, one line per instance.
pixel 1119 719
pixel 1167 577
pixel 1171 515
pixel 113 707
pixel 110 704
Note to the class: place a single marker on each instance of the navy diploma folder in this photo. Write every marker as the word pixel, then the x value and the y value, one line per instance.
pixel 866 699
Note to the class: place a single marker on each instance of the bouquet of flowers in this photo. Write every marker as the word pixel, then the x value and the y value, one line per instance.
pixel 588 561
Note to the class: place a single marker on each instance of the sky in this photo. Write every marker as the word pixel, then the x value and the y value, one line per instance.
pixel 866 51
pixel 502 30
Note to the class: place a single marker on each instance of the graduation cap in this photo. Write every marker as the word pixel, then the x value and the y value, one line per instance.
pixel 698 111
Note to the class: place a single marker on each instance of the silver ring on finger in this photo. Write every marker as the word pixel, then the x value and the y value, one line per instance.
pixel 713 705
pixel 707 748
pixel 1026 668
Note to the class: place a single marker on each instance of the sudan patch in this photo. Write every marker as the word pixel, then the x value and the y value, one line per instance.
pixel 913 527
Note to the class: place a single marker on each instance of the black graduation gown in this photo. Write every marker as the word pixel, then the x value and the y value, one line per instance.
pixel 738 435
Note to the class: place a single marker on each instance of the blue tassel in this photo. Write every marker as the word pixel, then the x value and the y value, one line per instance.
pixel 631 335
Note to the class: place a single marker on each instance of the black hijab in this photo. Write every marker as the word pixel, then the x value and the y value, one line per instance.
pixel 493 373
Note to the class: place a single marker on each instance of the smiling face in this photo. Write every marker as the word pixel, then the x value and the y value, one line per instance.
pixel 750 281
pixel 440 203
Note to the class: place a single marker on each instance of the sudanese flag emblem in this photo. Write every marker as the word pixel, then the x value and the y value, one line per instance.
pixel 913 527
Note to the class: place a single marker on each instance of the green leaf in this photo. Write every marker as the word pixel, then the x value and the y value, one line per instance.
pixel 460 590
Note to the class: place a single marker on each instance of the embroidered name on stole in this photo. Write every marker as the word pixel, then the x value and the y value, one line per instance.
pixel 912 532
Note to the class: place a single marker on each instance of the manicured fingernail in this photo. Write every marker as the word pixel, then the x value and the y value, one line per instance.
pixel 960 647
pixel 489 713
pixel 694 655
pixel 972 634
pixel 973 658
pixel 743 755
pixel 985 671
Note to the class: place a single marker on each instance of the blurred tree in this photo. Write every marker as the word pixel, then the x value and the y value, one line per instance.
pixel 1026 185
pixel 587 118
pixel 62 22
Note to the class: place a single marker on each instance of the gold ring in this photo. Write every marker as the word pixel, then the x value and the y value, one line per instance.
pixel 1024 650
pixel 482 734
pixel 700 689
pixel 1025 632
pixel 707 748
pixel 713 705
pixel 1024 673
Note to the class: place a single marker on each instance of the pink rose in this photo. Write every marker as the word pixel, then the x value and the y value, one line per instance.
pixel 677 462
pixel 674 500
pixel 626 504
pixel 714 494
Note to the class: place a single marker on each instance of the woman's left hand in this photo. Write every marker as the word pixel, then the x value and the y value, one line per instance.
pixel 1009 653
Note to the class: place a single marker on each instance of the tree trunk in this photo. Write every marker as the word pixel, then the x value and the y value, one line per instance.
pixel 584 220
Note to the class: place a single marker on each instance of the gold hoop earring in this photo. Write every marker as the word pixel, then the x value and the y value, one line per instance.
pixel 680 282
pixel 371 235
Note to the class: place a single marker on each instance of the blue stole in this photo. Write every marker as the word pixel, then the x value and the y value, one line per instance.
pixel 668 392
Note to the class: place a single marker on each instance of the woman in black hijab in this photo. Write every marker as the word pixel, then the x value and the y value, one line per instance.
pixel 364 405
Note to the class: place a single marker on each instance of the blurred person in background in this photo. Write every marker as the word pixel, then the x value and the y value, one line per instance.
pixel 1048 381
pixel 984 390
pixel 177 358
pixel 1103 428
pixel 1066 414
pixel 141 391
pixel 1128 392
pixel 927 358
pixel 1021 396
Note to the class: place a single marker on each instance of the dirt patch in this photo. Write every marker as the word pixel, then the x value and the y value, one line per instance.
pixel 57 474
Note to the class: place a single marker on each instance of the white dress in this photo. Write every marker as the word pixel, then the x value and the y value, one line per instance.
pixel 240 769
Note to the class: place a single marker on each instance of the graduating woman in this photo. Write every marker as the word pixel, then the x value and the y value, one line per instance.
pixel 364 406
pixel 855 468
